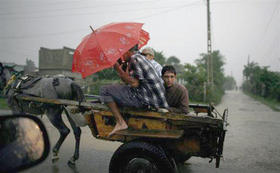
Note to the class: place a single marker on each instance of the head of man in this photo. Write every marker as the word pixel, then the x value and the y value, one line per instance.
pixel 126 56
pixel 148 53
pixel 168 74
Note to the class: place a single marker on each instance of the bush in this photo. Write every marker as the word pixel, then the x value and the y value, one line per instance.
pixel 261 82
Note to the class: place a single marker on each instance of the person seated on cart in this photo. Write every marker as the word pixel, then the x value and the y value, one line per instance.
pixel 143 88
pixel 150 55
pixel 176 94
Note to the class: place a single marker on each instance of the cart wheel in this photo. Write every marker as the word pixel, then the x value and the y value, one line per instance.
pixel 181 159
pixel 220 148
pixel 175 165
pixel 140 157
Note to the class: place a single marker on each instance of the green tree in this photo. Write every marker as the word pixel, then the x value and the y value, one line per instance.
pixel 29 66
pixel 172 60
pixel 196 77
pixel 160 58
pixel 248 70
pixel 260 81
pixel 106 74
pixel 218 63
pixel 216 92
pixel 229 83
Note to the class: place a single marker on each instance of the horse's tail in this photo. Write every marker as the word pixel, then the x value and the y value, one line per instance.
pixel 77 92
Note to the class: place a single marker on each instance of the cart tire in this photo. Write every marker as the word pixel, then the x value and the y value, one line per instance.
pixel 140 157
pixel 182 158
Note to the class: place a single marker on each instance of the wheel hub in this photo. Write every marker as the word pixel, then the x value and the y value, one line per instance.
pixel 140 165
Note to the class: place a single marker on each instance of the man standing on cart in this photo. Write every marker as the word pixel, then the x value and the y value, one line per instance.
pixel 143 88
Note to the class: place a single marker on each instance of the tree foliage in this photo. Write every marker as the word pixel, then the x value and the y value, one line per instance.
pixel 29 66
pixel 260 81
pixel 160 58
pixel 106 74
pixel 229 83
pixel 173 60
pixel 196 77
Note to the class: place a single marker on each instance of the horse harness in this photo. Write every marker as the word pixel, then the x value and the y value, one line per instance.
pixel 26 82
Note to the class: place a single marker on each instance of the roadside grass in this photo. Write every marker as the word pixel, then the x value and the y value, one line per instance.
pixel 3 104
pixel 273 104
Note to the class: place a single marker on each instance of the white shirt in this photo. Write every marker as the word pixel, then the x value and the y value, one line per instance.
pixel 157 66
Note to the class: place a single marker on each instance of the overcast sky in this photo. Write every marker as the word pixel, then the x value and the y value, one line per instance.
pixel 240 28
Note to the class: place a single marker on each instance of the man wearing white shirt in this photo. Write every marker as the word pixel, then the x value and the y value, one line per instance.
pixel 150 55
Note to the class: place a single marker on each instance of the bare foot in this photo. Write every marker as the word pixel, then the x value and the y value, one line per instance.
pixel 118 127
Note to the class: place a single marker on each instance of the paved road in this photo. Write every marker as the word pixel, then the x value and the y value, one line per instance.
pixel 252 143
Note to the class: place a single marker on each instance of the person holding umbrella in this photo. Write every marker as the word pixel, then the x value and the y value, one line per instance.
pixel 143 88
pixel 102 49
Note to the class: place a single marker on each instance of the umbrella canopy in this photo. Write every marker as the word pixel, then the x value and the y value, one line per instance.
pixel 104 46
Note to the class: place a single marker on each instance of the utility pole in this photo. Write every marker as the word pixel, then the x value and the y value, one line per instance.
pixel 209 47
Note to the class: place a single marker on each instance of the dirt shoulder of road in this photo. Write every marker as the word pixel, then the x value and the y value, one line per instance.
pixel 273 104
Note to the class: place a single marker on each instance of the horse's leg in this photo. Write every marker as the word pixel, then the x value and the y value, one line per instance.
pixel 54 115
pixel 77 133
pixel 13 104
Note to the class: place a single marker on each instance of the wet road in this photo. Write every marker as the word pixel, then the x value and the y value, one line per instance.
pixel 253 139
pixel 252 143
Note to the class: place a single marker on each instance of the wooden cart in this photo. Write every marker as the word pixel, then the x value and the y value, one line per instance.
pixel 154 141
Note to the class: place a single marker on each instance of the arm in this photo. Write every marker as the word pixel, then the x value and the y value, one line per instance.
pixel 125 77
pixel 185 102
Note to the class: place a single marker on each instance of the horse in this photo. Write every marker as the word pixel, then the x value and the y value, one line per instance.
pixel 51 88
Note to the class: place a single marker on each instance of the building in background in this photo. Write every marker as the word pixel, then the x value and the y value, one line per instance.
pixel 56 61
pixel 59 62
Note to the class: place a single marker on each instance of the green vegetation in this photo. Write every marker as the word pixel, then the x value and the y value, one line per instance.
pixel 230 83
pixel 261 82
pixel 196 78
pixel 3 104
pixel 272 103
pixel 95 86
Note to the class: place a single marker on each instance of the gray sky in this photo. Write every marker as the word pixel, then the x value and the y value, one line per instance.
pixel 240 28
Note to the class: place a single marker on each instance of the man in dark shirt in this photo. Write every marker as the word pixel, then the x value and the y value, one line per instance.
pixel 143 89
pixel 176 95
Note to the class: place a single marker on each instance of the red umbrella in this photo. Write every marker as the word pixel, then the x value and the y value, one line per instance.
pixel 104 46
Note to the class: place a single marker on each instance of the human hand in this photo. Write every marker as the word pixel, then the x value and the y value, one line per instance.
pixel 121 68
pixel 124 67
pixel 117 65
